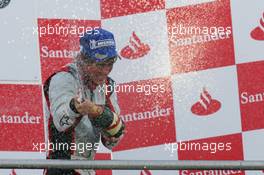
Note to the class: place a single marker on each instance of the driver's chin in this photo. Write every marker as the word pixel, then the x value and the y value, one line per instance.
pixel 95 79
pixel 99 81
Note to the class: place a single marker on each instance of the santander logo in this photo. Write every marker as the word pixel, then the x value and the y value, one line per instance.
pixel 136 49
pixel 13 172
pixel 206 105
pixel 145 172
pixel 258 32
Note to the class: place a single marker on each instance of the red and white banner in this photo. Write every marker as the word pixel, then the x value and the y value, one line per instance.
pixel 189 84
pixel 21 117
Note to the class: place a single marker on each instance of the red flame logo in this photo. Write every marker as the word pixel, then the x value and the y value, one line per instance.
pixel 136 49
pixel 206 105
pixel 13 172
pixel 145 172
pixel 258 32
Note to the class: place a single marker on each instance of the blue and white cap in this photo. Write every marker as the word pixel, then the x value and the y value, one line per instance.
pixel 98 45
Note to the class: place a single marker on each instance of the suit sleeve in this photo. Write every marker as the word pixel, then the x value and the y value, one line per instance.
pixel 63 87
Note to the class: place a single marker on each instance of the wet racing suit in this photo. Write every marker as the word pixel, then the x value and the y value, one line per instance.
pixel 67 129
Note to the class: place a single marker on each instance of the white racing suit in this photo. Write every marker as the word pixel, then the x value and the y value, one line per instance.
pixel 70 135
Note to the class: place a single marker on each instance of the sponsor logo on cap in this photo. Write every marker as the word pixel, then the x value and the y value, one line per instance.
pixel 101 43
pixel 100 56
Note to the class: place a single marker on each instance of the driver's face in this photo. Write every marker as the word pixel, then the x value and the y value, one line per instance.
pixel 97 72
